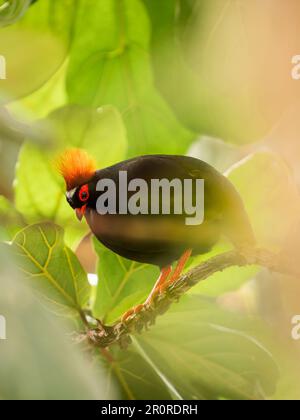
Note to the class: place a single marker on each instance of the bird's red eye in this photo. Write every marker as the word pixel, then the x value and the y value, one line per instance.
pixel 84 194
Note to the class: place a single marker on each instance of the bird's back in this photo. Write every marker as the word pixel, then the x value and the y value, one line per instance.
pixel 161 238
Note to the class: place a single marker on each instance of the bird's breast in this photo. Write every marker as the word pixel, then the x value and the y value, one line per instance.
pixel 134 231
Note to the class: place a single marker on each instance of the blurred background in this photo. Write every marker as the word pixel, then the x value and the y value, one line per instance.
pixel 213 79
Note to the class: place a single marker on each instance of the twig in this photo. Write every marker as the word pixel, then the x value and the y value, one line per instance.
pixel 136 323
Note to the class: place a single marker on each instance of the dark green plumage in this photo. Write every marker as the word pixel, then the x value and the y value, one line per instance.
pixel 161 239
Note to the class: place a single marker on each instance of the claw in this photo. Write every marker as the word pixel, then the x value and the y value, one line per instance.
pixel 127 315
pixel 138 308
pixel 132 311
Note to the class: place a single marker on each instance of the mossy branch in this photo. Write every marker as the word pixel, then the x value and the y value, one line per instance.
pixel 105 336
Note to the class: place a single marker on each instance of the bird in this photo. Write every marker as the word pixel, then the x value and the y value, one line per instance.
pixel 161 238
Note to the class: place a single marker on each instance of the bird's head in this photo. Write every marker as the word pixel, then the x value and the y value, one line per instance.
pixel 78 170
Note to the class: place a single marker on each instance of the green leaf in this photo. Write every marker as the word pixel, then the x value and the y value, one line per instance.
pixel 38 360
pixel 99 131
pixel 41 197
pixel 203 352
pixel 35 47
pixel 10 220
pixel 117 70
pixel 11 137
pixel 270 195
pixel 122 284
pixel 52 268
pixel 217 85
pixel 171 20
pixel 134 377
pixel 52 95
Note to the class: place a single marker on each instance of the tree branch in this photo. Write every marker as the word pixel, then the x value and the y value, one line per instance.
pixel 105 336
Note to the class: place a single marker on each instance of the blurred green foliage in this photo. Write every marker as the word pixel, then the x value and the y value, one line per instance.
pixel 37 359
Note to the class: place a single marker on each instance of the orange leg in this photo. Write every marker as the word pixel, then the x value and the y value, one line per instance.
pixel 178 270
pixel 162 283
pixel 163 277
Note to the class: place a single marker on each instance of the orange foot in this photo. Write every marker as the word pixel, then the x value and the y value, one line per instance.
pixel 177 271
pixel 132 311
pixel 161 284
pixel 164 274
